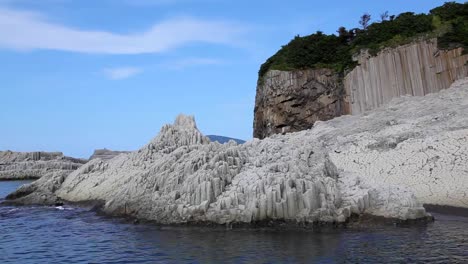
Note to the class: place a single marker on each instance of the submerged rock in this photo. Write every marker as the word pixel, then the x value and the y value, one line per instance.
pixel 34 165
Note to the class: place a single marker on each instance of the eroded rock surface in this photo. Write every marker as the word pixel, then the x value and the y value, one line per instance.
pixel 39 192
pixel 290 101
pixel 106 154
pixel 383 163
pixel 416 69
pixel 417 142
pixel 34 165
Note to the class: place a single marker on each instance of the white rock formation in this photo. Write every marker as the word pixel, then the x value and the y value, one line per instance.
pixel 417 142
pixel 33 165
pixel 375 163
pixel 417 69
pixel 180 176
pixel 106 154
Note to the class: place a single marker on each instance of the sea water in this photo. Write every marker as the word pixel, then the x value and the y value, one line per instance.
pixel 63 234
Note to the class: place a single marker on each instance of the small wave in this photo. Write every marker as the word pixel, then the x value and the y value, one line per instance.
pixel 63 208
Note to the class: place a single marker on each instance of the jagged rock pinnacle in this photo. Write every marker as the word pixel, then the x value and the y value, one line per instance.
pixel 185 121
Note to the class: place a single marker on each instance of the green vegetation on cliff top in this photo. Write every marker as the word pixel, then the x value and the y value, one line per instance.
pixel 449 23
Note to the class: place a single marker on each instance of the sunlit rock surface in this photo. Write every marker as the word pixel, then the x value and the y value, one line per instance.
pixel 383 163
pixel 290 101
pixel 180 176
pixel 106 154
pixel 34 165
pixel 418 68
pixel 417 142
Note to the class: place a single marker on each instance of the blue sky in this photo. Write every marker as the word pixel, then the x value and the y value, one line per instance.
pixel 80 75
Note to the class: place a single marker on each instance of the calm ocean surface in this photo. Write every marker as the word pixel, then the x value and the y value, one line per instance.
pixel 76 235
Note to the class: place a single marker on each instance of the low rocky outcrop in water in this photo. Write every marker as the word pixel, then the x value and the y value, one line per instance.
pixel 381 163
pixel 180 176
pixel 34 165
pixel 106 154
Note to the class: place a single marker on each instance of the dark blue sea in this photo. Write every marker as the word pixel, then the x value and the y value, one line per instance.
pixel 78 235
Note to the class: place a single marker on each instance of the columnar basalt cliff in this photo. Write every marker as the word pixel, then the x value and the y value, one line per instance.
pixel 293 101
pixel 34 165
pixel 415 69
pixel 288 101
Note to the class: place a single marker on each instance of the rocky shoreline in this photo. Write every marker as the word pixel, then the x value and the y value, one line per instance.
pixel 355 221
pixel 180 177
pixel 445 209
pixel 34 165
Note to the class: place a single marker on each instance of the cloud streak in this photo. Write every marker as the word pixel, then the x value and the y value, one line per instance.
pixel 24 30
pixel 121 72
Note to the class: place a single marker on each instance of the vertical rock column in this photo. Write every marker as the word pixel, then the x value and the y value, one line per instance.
pixel 415 69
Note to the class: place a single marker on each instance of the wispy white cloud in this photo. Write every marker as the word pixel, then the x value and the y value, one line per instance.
pixel 121 72
pixel 179 64
pixel 24 30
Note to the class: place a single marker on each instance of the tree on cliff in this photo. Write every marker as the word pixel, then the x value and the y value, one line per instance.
pixel 345 35
pixel 364 21
pixel 449 23
pixel 384 16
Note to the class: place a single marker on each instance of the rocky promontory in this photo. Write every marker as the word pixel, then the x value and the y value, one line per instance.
pixel 290 101
pixel 319 76
pixel 34 165
pixel 382 163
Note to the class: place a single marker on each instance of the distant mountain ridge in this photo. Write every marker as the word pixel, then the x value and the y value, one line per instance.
pixel 223 140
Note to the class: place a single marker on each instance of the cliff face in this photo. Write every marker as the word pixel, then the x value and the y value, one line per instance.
pixel 33 165
pixel 414 69
pixel 293 101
